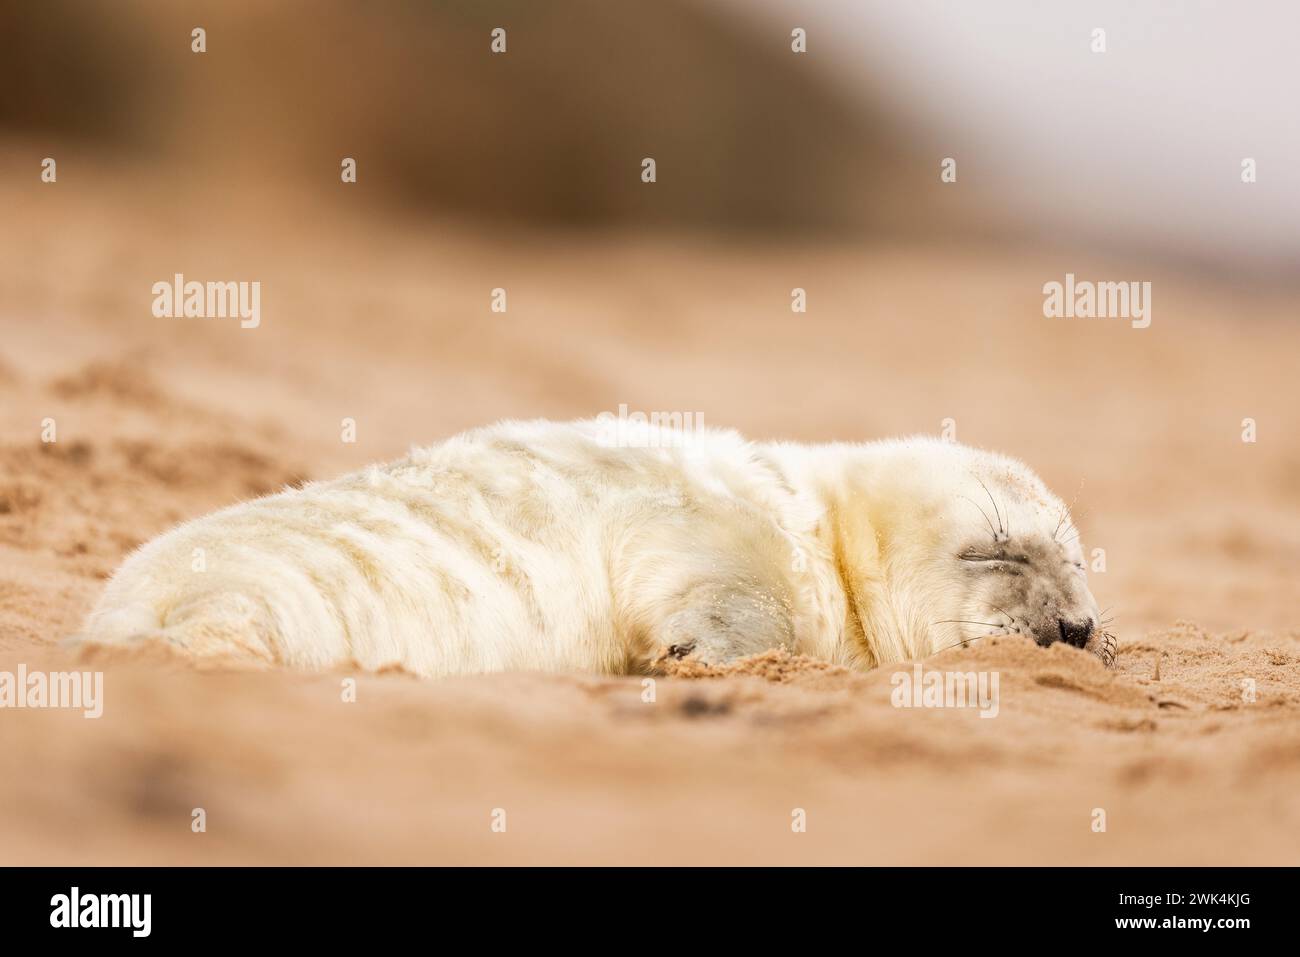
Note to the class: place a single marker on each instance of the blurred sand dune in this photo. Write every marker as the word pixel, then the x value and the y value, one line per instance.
pixel 745 135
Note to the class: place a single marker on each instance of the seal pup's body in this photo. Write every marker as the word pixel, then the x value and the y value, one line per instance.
pixel 545 546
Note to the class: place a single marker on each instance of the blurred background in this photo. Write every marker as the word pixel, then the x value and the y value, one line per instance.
pixel 776 171
pixel 1136 148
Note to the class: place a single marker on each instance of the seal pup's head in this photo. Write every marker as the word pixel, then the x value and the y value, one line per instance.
pixel 940 543
pixel 1019 561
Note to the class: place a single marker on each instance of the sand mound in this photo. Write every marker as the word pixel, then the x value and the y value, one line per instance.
pixel 122 381
pixel 777 665
pixel 586 767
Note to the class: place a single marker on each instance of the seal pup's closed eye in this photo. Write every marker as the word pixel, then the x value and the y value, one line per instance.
pixel 551 546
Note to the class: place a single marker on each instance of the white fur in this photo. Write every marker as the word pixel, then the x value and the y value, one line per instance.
pixel 536 545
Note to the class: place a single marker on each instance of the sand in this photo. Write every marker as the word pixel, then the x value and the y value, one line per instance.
pixel 388 323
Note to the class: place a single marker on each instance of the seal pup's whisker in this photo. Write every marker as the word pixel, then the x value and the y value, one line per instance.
pixel 1011 625
pixel 996 511
pixel 965 641
pixel 1073 525
pixel 1067 511
pixel 1108 650
pixel 992 531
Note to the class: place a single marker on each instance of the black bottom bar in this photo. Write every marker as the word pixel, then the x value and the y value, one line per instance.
pixel 337 905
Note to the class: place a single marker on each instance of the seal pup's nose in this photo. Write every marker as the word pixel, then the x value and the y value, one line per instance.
pixel 1075 633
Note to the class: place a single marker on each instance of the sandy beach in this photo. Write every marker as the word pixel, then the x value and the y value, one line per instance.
pixel 370 317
